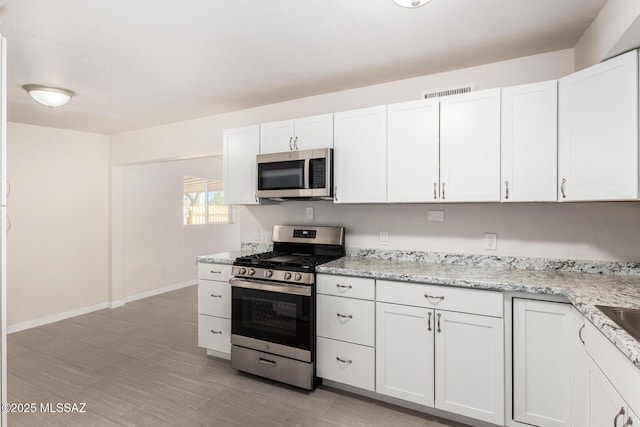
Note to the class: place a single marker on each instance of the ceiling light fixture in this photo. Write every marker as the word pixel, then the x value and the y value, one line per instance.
pixel 49 96
pixel 411 3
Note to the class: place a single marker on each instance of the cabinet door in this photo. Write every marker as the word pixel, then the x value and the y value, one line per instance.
pixel 598 131
pixel 470 147
pixel 276 137
pixel 313 132
pixel 469 365
pixel 529 143
pixel 240 149
pixel 542 362
pixel 360 155
pixel 404 352
pixel 413 152
pixel 605 407
pixel 579 356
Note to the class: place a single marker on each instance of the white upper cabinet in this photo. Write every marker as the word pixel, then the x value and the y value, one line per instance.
pixel 470 147
pixel 598 132
pixel 240 147
pixel 301 134
pixel 413 152
pixel 529 143
pixel 360 155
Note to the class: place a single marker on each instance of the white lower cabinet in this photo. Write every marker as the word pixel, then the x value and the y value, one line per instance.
pixel 604 404
pixel 214 309
pixel 542 363
pixel 404 353
pixel 438 358
pixel 345 330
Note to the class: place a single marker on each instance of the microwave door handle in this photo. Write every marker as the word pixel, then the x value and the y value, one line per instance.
pixel 307 179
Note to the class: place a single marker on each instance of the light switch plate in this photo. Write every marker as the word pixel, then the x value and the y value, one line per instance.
pixel 435 216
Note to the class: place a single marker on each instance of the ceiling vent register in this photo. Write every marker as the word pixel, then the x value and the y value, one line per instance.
pixel 439 93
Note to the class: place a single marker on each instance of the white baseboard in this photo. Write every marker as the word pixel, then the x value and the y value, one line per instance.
pixel 17 327
pixel 85 310
pixel 158 291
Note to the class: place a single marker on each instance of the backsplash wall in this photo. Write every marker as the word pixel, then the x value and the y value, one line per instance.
pixel 582 231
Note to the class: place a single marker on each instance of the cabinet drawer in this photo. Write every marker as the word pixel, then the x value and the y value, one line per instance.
pixel 487 303
pixel 352 287
pixel 214 298
pixel 346 319
pixel 219 272
pixel 346 363
pixel 214 333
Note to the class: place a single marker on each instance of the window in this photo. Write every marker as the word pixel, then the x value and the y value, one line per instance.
pixel 203 202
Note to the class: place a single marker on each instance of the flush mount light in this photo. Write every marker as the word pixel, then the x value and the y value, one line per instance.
pixel 49 96
pixel 411 3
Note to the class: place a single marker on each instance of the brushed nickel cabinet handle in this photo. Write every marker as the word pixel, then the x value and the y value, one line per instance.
pixel 435 191
pixel 344 286
pixel 216 332
pixel 439 330
pixel 267 362
pixel 335 193
pixel 443 196
pixel 345 316
pixel 295 143
pixel 618 415
pixel 427 296
pixel 628 423
pixel 506 190
pixel 562 188
pixel 215 271
pixel 348 361
pixel 580 334
pixel 429 321
pixel 290 146
pixel 215 296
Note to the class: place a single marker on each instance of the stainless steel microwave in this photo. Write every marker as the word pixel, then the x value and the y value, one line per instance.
pixel 296 174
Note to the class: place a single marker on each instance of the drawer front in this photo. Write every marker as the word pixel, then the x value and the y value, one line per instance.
pixel 346 319
pixel 214 333
pixel 346 363
pixel 214 298
pixel 352 287
pixel 219 272
pixel 487 303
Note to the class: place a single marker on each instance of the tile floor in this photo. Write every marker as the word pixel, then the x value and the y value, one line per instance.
pixel 140 365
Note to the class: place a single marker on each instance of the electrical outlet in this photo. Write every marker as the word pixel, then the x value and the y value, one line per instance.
pixel 255 235
pixel 490 241
pixel 384 237
pixel 309 212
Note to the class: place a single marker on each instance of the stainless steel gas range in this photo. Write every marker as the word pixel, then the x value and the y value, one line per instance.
pixel 273 330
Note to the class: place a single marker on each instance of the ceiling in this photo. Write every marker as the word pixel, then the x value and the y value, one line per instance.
pixel 141 63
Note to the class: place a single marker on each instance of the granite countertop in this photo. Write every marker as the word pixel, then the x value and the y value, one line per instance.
pixel 542 277
pixel 583 290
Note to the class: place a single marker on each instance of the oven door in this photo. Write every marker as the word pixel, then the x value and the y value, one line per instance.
pixel 272 317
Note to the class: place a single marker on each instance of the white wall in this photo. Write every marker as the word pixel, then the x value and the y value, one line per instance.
pixel 59 210
pixel 158 250
pixel 583 231
pixel 203 137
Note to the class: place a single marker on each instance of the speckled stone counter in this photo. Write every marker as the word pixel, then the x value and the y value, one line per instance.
pixel 583 290
pixel 584 284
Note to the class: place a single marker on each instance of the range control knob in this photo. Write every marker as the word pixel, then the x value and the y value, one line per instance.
pixel 297 277
pixel 242 270
pixel 287 275
pixel 268 273
pixel 251 272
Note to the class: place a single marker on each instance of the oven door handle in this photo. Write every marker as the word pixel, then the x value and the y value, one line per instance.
pixel 271 287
